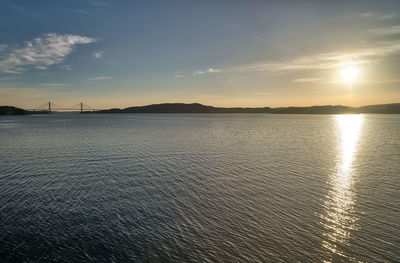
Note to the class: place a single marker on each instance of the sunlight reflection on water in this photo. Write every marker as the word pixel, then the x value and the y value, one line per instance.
pixel 339 217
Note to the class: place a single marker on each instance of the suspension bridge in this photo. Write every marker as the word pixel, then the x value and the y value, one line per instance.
pixel 52 107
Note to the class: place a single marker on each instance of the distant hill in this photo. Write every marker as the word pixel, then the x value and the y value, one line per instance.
pixel 10 110
pixel 328 109
pixel 393 108
pixel 189 108
pixel 199 108
pixel 381 108
pixel 185 108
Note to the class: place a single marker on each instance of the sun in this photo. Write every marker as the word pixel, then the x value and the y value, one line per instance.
pixel 349 74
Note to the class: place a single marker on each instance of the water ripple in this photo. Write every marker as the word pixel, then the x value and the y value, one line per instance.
pixel 199 188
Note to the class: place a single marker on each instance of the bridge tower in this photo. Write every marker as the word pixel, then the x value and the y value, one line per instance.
pixel 49 106
pixel 81 107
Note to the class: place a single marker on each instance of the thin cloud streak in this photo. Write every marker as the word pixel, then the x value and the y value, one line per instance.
pixel 321 61
pixel 43 51
pixel 302 80
pixel 388 81
pixel 54 84
pixel 66 67
pixel 100 78
pixel 379 16
pixel 98 54
pixel 179 74
pixel 209 70
pixel 329 60
pixel 386 31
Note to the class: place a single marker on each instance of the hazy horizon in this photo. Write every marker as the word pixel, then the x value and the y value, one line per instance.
pixel 227 54
pixel 36 106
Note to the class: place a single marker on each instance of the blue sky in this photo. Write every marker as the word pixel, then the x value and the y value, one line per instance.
pixel 223 53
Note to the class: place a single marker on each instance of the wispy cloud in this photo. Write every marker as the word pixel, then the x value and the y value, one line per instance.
pixel 98 54
pixel 179 74
pixel 41 67
pixel 199 72
pixel 209 70
pixel 66 67
pixel 379 16
pixel 302 80
pixel 373 49
pixel 386 31
pixel 54 84
pixel 311 62
pixel 43 51
pixel 100 78
pixel 387 81
pixel 2 47
pixel 319 61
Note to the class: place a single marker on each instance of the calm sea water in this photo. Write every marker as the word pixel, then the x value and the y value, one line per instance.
pixel 200 188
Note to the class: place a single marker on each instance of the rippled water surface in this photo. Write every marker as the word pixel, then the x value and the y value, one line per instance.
pixel 200 188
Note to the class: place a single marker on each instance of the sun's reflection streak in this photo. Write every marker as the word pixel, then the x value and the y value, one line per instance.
pixel 339 216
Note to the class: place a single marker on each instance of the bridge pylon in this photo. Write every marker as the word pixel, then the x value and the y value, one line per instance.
pixel 52 107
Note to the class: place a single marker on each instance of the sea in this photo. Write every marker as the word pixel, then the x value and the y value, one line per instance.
pixel 199 188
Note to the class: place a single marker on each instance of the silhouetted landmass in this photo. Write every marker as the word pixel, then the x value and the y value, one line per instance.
pixel 10 110
pixel 184 108
pixel 199 108
pixel 338 109
pixel 382 108
pixel 393 108
pixel 188 108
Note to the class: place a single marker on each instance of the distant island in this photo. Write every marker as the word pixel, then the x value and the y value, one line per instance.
pixel 393 108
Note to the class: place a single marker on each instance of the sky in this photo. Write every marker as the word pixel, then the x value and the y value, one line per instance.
pixel 222 53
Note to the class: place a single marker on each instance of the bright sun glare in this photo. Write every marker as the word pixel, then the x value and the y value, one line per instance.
pixel 349 74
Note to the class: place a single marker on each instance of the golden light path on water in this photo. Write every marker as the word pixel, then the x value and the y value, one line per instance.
pixel 339 215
